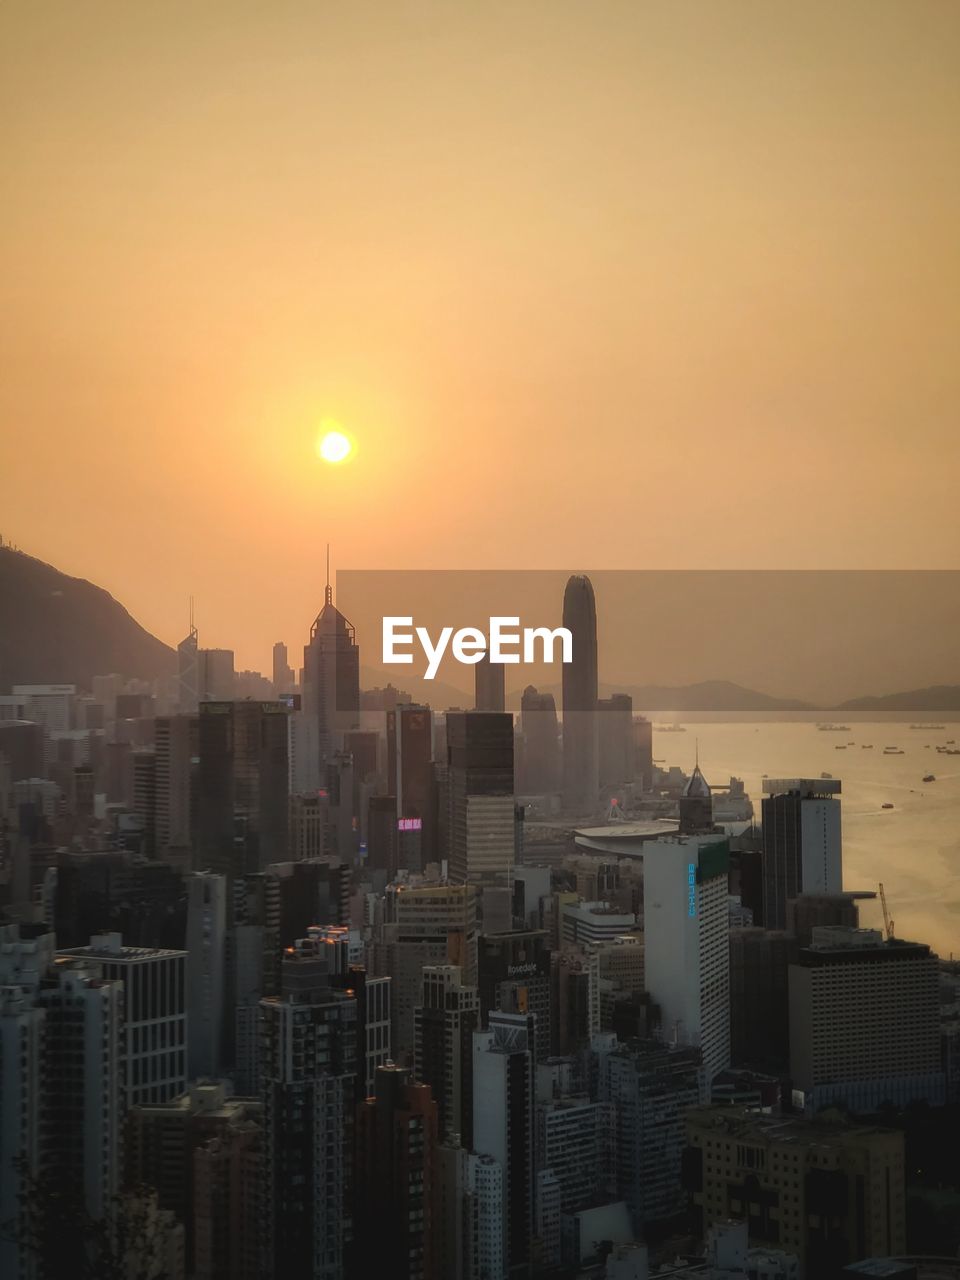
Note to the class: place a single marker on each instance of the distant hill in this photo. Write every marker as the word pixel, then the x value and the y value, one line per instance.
pixel 936 697
pixel 706 695
pixel 60 630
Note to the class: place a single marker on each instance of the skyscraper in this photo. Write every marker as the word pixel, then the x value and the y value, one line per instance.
pixel 480 789
pixel 444 1023
pixel 154 1013
pixel 801 843
pixel 410 779
pixel 650 1085
pixel 615 736
pixel 284 680
pixel 206 972
pixel 188 670
pixel 686 942
pixel 489 693
pixel 242 786
pixel 539 764
pixel 503 1097
pixel 865 1021
pixel 308 1064
pixel 176 747
pixel 331 684
pixel 581 778
pixel 395 1179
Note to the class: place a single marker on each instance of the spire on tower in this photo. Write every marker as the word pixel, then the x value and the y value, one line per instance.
pixel 328 590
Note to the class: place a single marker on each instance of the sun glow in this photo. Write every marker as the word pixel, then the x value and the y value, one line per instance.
pixel 333 444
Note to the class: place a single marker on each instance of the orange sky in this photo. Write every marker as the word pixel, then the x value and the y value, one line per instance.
pixel 622 284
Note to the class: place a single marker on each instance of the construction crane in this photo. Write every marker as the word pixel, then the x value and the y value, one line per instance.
pixel 887 922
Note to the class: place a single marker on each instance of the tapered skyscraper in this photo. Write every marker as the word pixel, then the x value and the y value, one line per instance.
pixel 331 685
pixel 580 749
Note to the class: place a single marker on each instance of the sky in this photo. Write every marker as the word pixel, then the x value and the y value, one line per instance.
pixel 639 284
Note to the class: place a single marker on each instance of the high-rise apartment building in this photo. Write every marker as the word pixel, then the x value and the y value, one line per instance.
pixel 410 780
pixel 396 1170
pixel 444 1023
pixel 503 1097
pixel 307 1070
pixel 650 1085
pixel 686 942
pixel 801 843
pixel 176 746
pixel 865 1021
pixel 206 973
pixel 513 976
pixel 154 986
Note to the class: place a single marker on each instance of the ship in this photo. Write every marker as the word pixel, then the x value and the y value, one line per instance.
pixel 670 728
pixel 834 728
pixel 893 751
pixel 929 777
pixel 886 805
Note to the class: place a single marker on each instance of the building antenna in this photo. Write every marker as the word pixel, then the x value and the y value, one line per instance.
pixel 328 593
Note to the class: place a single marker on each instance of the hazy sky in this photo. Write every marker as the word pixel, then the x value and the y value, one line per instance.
pixel 618 284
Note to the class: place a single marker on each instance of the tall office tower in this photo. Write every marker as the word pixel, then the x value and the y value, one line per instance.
pixel 395 1179
pixel 226 1184
pixel 331 682
pixel 307 1070
pixel 217 677
pixel 615 740
pixel 382 835
pixel 759 1005
pixel 828 1193
pixel 590 924
pixel 364 746
pixel 539 765
pixel 431 924
pixel 154 1013
pixel 686 942
pixel 344 820
pixel 503 1097
pixel 696 805
pixel 513 975
pixel 176 746
pixel 313 892
pixel 310 833
pixel 650 1085
pixel 801 843
pixel 444 1023
pixel 117 888
pixel 489 685
pixel 410 779
pixel 21 741
pixel 206 973
pixel 83 1071
pixel 811 911
pixel 284 680
pixel 145 797
pixel 481 803
pixel 241 786
pixel 164 1138
pixel 22 1062
pixel 188 670
pixel 865 1021
pixel 581 766
pixel 643 751
pixel 574 998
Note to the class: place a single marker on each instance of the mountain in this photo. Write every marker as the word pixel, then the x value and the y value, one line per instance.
pixel 936 697
pixel 60 630
pixel 705 695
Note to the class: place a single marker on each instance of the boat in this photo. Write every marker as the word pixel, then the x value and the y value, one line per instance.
pixel 839 747
pixel 827 775
pixel 866 746
pixel 887 805
pixel 834 728
pixel 893 751
pixel 929 777
pixel 670 728
pixel 928 726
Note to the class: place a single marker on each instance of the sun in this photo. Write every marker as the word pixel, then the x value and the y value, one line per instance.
pixel 333 444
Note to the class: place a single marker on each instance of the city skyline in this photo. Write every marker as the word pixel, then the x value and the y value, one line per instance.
pixel 699 257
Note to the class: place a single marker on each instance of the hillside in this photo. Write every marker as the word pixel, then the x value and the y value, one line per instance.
pixel 938 697
pixel 60 630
